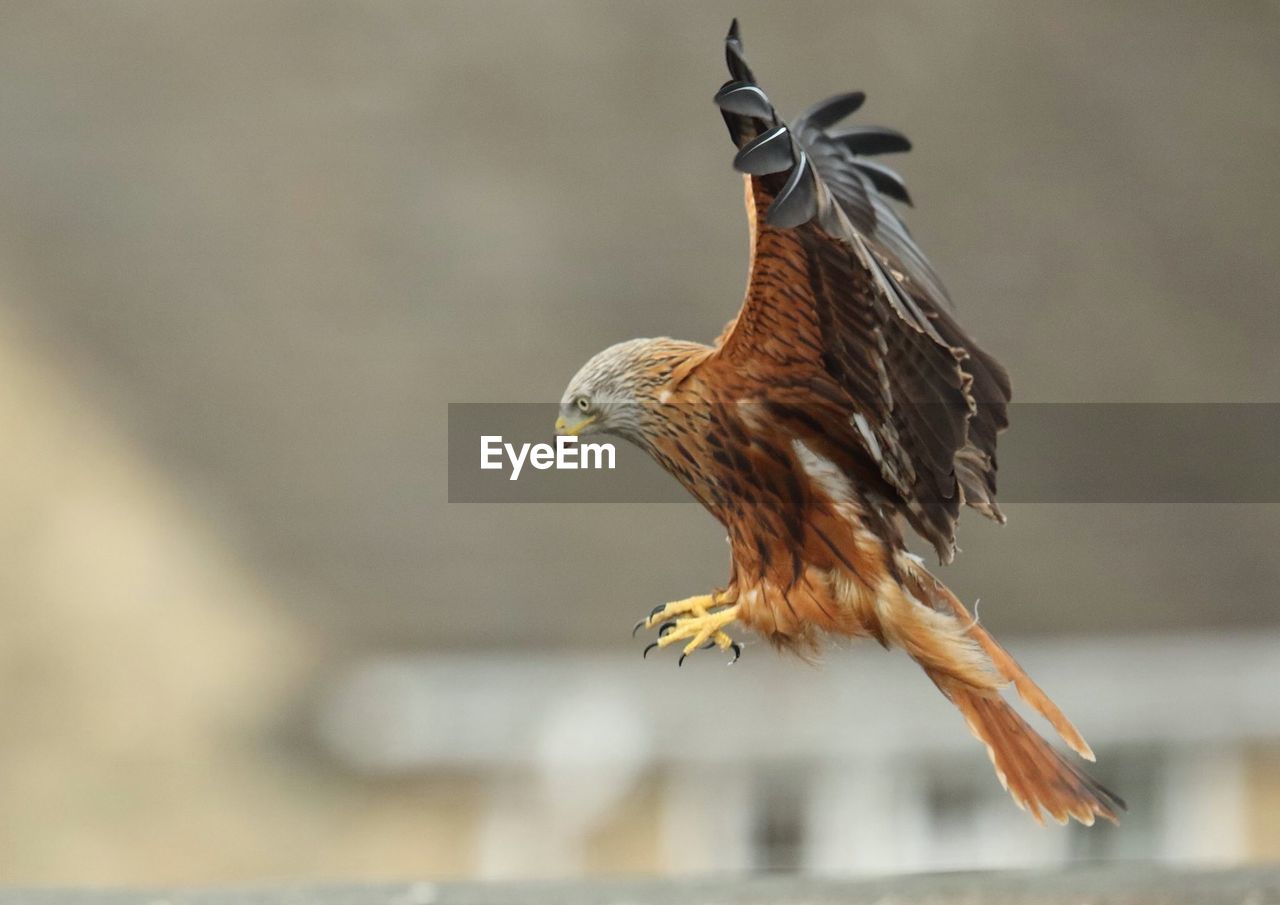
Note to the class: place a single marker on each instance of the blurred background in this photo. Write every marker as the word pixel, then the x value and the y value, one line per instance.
pixel 249 252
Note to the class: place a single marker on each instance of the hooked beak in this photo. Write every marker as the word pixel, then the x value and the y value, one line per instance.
pixel 565 429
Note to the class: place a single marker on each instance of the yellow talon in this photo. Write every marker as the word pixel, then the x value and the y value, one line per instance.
pixel 697 605
pixel 701 627
pixel 697 620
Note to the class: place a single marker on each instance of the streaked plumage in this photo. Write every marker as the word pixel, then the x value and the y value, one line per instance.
pixel 843 401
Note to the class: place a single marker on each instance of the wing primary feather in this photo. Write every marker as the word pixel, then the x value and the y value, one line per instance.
pixel 797 202
pixel 827 113
pixel 767 153
pixel 885 179
pixel 733 56
pixel 746 100
pixel 871 139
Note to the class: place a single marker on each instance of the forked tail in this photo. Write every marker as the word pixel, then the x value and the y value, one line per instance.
pixel 1037 776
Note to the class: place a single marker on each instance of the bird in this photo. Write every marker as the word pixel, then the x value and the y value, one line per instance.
pixel 842 405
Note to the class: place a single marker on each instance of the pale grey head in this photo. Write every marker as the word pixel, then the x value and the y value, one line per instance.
pixel 619 390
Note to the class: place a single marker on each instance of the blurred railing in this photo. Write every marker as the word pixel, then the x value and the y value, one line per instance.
pixel 1130 884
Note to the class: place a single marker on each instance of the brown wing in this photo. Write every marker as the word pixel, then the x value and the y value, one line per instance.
pixel 838 289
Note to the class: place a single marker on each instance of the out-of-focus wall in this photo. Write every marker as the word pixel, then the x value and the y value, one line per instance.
pixel 248 252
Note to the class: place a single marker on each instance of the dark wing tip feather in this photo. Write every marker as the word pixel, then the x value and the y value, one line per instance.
pixel 738 67
pixel 871 139
pixel 744 99
pixel 797 200
pixel 826 113
pixel 767 153
pixel 885 180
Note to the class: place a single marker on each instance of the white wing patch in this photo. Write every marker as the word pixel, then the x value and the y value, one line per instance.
pixel 830 479
pixel 864 428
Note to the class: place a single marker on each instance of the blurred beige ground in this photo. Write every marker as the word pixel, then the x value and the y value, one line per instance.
pixel 145 672
pixel 248 252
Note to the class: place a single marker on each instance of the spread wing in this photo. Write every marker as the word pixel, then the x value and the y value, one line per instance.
pixel 837 284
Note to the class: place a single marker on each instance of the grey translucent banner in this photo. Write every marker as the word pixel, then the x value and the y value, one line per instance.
pixel 1052 453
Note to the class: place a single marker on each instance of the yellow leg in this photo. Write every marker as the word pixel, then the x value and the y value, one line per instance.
pixel 693 618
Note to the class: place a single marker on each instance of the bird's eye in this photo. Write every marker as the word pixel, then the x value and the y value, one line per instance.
pixel 583 403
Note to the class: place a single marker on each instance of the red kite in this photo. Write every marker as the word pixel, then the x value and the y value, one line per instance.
pixel 842 402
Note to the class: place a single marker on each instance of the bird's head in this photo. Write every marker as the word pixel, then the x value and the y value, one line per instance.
pixel 619 390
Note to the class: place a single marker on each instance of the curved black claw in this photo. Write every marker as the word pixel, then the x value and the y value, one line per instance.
pixel 680 662
pixel 665 628
pixel 650 647
pixel 737 652
pixel 643 622
pixel 708 645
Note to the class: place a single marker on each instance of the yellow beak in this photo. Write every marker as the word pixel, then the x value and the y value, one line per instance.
pixel 572 430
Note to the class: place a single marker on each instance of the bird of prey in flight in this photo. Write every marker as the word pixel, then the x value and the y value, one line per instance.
pixel 843 403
